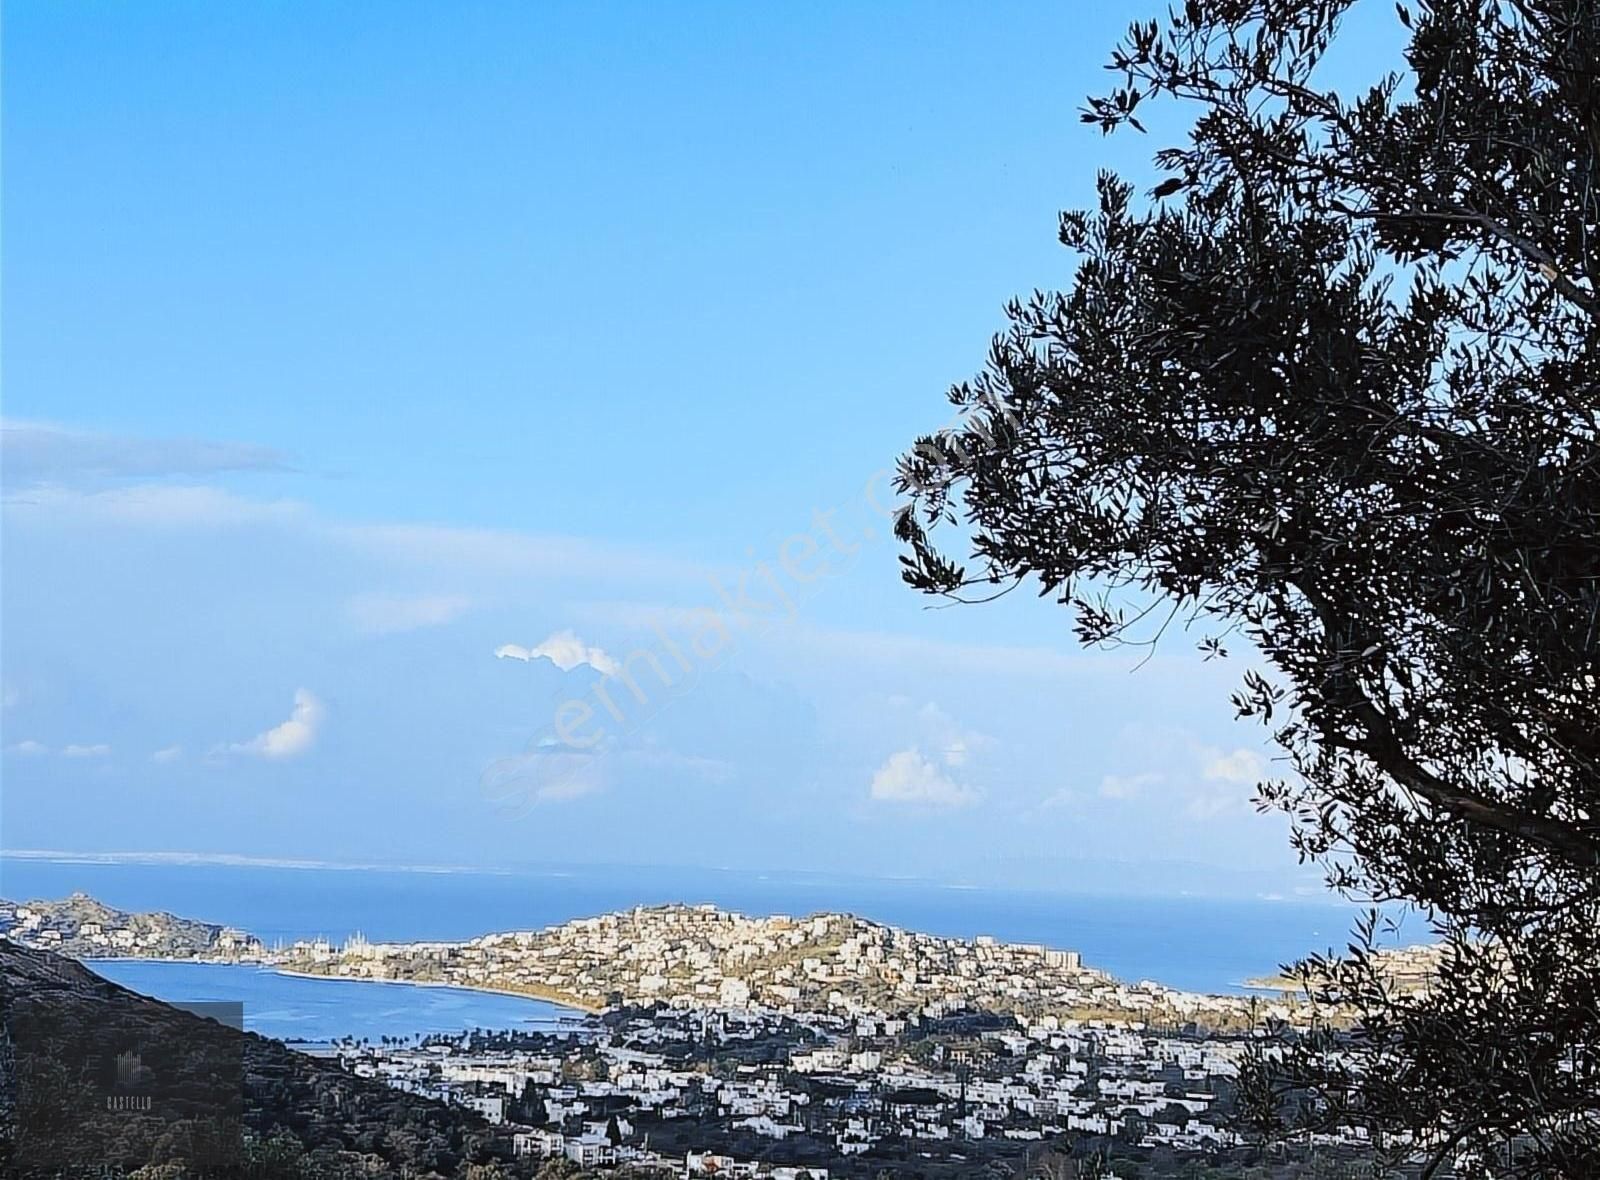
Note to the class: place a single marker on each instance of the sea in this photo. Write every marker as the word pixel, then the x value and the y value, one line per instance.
pixel 295 1009
pixel 1207 944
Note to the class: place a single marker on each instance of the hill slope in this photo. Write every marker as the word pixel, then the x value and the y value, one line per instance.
pixel 85 928
pixel 95 1076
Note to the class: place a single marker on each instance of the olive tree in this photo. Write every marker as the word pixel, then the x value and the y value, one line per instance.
pixel 1330 393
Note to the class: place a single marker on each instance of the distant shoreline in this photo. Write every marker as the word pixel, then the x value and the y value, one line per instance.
pixel 1200 945
pixel 570 1003
pixel 565 1001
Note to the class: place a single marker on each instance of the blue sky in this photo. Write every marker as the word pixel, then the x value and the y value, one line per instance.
pixel 347 346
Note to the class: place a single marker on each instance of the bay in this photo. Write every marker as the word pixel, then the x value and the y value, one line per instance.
pixel 294 1008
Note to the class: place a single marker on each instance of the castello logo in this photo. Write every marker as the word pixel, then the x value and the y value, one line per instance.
pixel 133 1076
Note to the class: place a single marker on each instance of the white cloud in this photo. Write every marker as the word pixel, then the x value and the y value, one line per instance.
pixel 387 614
pixel 909 776
pixel 833 644
pixel 289 738
pixel 97 750
pixel 563 649
pixel 547 773
pixel 37 452
pixel 167 754
pixel 955 743
pixel 552 772
pixel 937 756
pixel 154 505
pixel 452 551
pixel 1231 769
pixel 28 748
pixel 1126 786
pixel 1241 766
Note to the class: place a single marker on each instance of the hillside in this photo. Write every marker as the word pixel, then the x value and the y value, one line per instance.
pixel 701 956
pixel 696 955
pixel 95 1077
pixel 84 928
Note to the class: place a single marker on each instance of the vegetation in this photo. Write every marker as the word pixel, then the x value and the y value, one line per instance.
pixel 96 1079
pixel 1333 392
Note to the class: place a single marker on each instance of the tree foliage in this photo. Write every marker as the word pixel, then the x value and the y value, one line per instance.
pixel 1332 390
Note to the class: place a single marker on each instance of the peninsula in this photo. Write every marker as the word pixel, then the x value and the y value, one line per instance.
pixel 826 1045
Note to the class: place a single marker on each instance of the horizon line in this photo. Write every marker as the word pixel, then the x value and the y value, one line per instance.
pixel 1299 893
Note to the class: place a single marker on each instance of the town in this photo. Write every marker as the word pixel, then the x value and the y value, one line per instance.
pixel 838 964
pixel 749 1091
pixel 712 1043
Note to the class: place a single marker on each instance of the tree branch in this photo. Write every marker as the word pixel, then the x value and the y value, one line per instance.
pixel 1388 753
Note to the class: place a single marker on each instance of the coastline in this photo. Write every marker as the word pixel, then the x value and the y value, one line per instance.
pixel 555 999
pixel 582 1008
pixel 1200 945
pixel 307 962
